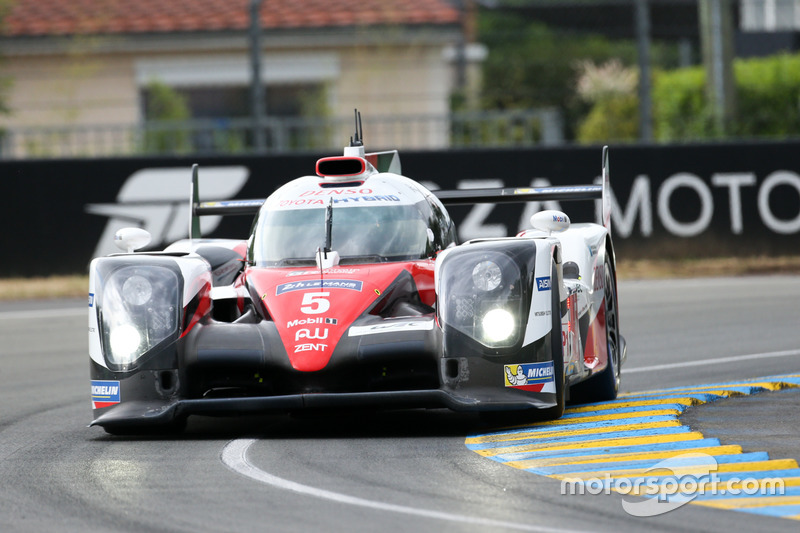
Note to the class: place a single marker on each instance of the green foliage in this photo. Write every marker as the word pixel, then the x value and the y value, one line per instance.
pixel 532 66
pixel 165 103
pixel 767 98
pixel 611 88
pixel 768 92
pixel 615 118
pixel 165 108
pixel 680 106
pixel 5 81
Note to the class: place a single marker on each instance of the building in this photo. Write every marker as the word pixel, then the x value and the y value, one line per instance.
pixel 92 66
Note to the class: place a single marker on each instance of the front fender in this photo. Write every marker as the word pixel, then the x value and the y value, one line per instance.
pixel 140 305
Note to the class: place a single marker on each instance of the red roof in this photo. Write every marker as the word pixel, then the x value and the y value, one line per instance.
pixel 68 17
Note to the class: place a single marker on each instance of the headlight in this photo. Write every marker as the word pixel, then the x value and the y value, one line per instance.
pixel 497 325
pixel 140 308
pixel 137 290
pixel 481 294
pixel 487 276
pixel 124 341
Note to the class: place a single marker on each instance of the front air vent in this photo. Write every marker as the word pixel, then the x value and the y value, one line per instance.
pixel 341 166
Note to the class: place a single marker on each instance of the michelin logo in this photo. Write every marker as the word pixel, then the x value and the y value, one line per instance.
pixel 156 199
pixel 105 393
pixel 537 377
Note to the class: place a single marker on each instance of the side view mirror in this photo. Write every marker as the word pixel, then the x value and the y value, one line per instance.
pixel 131 239
pixel 550 221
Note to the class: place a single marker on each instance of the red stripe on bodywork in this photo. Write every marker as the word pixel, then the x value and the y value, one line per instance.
pixel 197 308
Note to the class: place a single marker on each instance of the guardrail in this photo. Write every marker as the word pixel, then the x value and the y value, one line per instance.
pixel 285 135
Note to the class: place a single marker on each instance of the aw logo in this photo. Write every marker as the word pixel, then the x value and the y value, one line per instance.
pixel 157 199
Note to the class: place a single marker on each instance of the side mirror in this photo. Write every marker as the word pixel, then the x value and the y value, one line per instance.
pixel 131 239
pixel 550 221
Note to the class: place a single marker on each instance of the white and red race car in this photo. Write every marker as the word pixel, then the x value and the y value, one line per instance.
pixel 350 292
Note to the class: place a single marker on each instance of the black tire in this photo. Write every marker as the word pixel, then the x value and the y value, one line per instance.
pixel 605 385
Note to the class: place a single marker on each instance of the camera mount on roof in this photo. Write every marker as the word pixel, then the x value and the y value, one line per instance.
pixel 358 138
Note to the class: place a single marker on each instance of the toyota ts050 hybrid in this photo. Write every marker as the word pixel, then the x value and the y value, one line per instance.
pixel 351 291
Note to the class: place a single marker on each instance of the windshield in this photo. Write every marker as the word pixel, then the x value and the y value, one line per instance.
pixel 366 234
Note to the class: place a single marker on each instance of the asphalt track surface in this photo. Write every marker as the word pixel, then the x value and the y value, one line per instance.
pixel 407 471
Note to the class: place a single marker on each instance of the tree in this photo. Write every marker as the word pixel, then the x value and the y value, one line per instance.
pixel 166 106
pixel 532 66
pixel 5 81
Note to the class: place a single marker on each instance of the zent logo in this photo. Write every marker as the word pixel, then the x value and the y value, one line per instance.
pixel 310 348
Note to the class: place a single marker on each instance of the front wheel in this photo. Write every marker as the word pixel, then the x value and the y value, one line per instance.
pixel 605 385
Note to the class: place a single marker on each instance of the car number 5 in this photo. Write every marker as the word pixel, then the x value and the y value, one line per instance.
pixel 315 303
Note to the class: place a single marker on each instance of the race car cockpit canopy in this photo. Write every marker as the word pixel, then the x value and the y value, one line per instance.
pixel 385 217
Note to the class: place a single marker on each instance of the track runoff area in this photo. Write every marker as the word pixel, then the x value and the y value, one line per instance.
pixel 638 447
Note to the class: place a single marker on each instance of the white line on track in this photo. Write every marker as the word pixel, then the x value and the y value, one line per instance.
pixel 703 362
pixel 234 456
pixel 42 313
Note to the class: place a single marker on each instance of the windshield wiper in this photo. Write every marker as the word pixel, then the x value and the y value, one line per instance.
pixel 359 259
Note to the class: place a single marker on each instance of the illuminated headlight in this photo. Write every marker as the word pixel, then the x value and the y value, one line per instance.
pixel 481 293
pixel 124 341
pixel 487 276
pixel 497 325
pixel 139 309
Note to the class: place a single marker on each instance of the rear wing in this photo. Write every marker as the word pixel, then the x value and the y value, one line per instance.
pixel 451 197
pixel 541 194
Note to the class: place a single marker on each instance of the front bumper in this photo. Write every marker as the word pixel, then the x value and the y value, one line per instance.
pixel 149 413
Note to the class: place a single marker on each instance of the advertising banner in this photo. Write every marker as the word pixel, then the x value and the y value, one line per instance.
pixel 667 200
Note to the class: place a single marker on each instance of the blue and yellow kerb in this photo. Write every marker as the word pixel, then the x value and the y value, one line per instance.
pixel 636 445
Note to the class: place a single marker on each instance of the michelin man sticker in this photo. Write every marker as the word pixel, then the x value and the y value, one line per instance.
pixel 534 377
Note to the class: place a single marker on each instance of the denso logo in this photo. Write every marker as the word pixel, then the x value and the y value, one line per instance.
pixel 306 334
pixel 543 284
pixel 311 347
pixel 309 321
